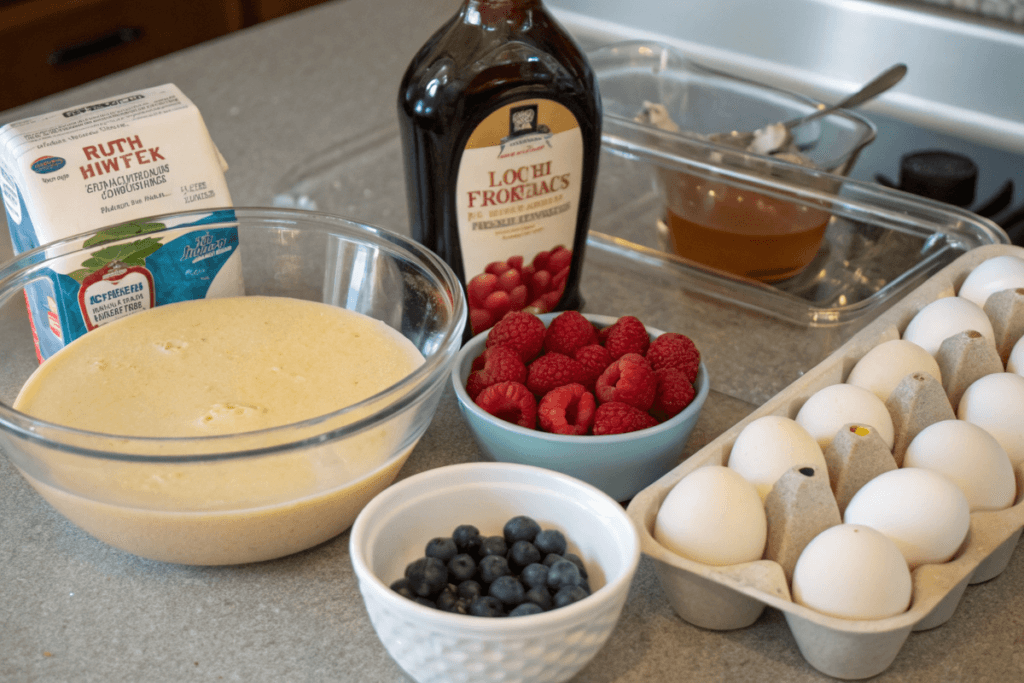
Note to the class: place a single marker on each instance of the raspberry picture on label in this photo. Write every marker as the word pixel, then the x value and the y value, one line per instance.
pixel 513 285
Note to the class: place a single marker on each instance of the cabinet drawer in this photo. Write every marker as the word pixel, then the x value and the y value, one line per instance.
pixel 51 45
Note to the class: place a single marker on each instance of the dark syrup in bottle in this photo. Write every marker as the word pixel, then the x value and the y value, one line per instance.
pixel 500 119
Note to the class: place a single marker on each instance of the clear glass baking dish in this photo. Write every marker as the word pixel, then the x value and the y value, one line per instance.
pixel 756 338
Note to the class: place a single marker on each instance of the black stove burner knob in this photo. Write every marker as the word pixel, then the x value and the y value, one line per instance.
pixel 944 176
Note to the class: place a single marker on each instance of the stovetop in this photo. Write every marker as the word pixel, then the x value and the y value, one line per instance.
pixel 998 190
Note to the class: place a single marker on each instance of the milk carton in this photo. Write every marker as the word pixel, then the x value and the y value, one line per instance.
pixel 109 164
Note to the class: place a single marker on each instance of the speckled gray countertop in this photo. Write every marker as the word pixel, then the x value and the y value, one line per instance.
pixel 74 609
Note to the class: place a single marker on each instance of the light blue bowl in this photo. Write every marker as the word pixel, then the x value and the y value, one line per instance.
pixel 618 464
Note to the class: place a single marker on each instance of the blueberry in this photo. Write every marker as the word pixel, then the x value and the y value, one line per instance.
pixel 427 579
pixel 525 609
pixel 551 558
pixel 470 590
pixel 461 567
pixel 562 574
pixel 507 589
pixel 493 545
pixel 569 595
pixel 575 559
pixel 442 548
pixel 585 585
pixel 447 599
pixel 401 586
pixel 467 538
pixel 415 565
pixel 425 602
pixel 493 566
pixel 523 553
pixel 486 606
pixel 550 541
pixel 534 575
pixel 520 528
pixel 539 596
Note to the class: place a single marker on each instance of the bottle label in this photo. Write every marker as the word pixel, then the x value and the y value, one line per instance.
pixel 518 191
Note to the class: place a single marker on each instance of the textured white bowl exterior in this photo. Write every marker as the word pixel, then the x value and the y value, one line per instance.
pixel 435 646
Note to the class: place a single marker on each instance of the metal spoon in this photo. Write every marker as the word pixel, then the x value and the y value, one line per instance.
pixel 780 132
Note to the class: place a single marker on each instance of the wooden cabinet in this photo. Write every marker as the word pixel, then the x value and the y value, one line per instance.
pixel 50 45
pixel 256 11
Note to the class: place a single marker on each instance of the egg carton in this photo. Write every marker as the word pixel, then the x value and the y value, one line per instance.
pixel 733 597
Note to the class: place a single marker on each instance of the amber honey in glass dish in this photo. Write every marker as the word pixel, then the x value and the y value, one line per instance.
pixel 741 232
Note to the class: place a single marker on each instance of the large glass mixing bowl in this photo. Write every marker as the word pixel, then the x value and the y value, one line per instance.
pixel 263 494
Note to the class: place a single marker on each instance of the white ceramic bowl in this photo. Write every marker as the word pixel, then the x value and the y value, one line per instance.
pixel 618 464
pixel 442 647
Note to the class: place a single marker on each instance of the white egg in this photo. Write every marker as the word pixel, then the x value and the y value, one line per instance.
pixel 943 318
pixel 713 516
pixel 1015 364
pixel 882 368
pixel 991 276
pixel 828 409
pixel 996 404
pixel 924 513
pixel 970 457
pixel 852 571
pixel 769 447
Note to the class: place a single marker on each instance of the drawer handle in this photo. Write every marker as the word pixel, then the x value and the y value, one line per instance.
pixel 88 48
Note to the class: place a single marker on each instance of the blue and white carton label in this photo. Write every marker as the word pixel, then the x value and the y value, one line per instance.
pixel 130 268
pixel 111 163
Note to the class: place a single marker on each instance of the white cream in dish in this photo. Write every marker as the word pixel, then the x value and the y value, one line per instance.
pixel 221 366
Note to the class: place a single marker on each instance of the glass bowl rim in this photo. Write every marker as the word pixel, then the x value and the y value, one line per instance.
pixel 23 268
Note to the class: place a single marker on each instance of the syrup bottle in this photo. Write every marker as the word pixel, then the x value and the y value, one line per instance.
pixel 500 120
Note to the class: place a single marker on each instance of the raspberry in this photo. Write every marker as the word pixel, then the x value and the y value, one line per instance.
pixel 568 332
pixel 540 261
pixel 594 358
pixel 551 371
pixel 630 380
pixel 509 280
pixel 498 303
pixel 542 304
pixel 480 319
pixel 567 410
pixel 626 335
pixel 674 393
pixel 672 350
pixel 480 287
pixel 559 258
pixel 527 272
pixel 551 299
pixel 497 364
pixel 559 278
pixel 619 418
pixel 540 283
pixel 517 297
pixel 522 331
pixel 497 267
pixel 515 262
pixel 510 401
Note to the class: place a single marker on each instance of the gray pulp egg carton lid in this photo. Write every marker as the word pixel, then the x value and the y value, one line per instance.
pixel 733 597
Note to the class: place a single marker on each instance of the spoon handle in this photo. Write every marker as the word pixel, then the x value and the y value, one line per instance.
pixel 875 87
